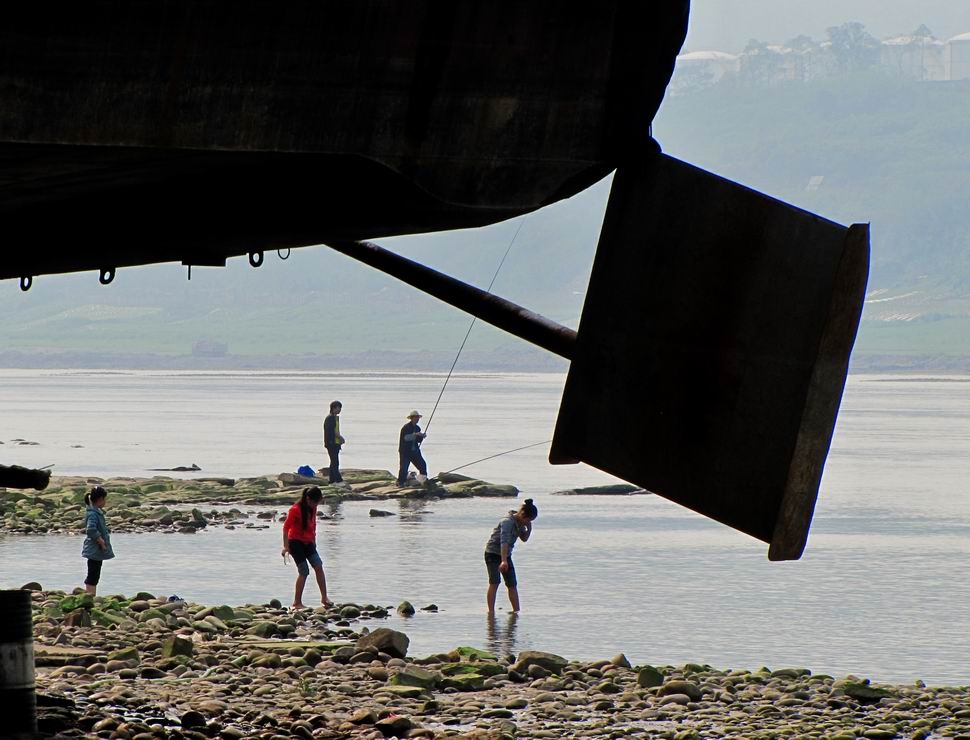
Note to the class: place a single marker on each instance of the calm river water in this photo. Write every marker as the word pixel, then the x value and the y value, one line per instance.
pixel 882 590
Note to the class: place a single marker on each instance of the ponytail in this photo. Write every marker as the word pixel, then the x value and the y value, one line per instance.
pixel 529 509
pixel 96 494
pixel 311 493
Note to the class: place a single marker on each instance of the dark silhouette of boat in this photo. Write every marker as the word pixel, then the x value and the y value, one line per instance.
pixel 709 363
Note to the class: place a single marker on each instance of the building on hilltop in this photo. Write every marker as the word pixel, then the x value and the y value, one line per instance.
pixel 913 57
pixel 916 56
pixel 696 70
pixel 956 57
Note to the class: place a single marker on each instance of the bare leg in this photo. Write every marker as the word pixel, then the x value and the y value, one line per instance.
pixel 514 598
pixel 88 588
pixel 298 592
pixel 322 584
pixel 490 597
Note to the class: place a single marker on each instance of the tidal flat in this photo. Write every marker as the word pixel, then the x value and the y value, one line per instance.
pixel 163 503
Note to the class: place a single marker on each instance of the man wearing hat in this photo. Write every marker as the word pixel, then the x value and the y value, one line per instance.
pixel 409 449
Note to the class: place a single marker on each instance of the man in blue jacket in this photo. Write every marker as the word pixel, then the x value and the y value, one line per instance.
pixel 409 450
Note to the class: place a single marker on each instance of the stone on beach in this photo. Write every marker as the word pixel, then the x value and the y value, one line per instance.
pixel 387 641
pixel 328 681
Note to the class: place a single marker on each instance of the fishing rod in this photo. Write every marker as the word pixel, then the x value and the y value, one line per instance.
pixel 470 327
pixel 499 454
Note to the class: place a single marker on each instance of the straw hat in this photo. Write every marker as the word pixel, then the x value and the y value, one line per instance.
pixel 413 414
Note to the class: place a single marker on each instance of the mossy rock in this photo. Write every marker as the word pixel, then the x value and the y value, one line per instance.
pixel 177 646
pixel 128 653
pixel 406 692
pixel 224 613
pixel 78 601
pixel 648 677
pixel 861 691
pixel 153 613
pixel 270 660
pixel 262 629
pixel 414 676
pixel 108 619
pixel 470 653
pixel 468 669
pixel 466 682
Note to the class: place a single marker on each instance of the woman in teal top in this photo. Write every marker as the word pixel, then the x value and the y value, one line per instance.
pixel 97 543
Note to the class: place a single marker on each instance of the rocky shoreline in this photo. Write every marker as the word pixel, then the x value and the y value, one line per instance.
pixel 173 504
pixel 143 668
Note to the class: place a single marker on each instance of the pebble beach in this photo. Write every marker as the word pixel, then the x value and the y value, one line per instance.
pixel 142 667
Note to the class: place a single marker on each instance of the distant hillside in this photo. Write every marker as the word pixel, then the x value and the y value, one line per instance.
pixel 316 303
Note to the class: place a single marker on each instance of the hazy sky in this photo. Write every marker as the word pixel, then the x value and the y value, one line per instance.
pixel 727 25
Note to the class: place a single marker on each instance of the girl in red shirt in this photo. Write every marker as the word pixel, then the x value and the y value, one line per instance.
pixel 300 541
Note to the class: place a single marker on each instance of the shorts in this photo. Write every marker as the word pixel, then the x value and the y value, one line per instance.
pixel 94 572
pixel 302 552
pixel 495 576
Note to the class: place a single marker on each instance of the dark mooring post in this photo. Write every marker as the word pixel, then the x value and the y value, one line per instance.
pixel 18 699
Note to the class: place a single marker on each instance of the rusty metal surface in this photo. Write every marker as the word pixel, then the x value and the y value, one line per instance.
pixel 372 117
pixel 713 348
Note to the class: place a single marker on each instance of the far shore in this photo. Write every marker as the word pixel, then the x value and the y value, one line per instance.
pixel 528 360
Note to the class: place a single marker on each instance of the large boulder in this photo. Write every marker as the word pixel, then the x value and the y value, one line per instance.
pixel 549 661
pixel 386 640
pixel 648 677
pixel 414 676
pixel 176 645
pixel 78 618
pixel 677 686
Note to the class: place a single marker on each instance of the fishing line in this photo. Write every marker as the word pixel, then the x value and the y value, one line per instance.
pixel 499 454
pixel 470 327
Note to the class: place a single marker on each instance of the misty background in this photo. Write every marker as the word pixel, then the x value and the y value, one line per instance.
pixel 856 131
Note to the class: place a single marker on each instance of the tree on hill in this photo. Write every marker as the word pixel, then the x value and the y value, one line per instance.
pixel 854 48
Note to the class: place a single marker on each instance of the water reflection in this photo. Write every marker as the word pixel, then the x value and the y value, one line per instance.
pixel 500 640
pixel 412 509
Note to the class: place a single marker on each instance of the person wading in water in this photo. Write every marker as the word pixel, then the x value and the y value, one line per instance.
pixel 300 541
pixel 517 525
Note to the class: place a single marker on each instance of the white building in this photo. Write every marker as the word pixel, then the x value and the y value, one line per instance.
pixel 699 69
pixel 914 57
pixel 956 57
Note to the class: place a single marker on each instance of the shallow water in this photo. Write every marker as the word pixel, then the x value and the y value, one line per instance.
pixel 881 590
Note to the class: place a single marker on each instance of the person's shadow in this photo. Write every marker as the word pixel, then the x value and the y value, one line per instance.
pixel 500 641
